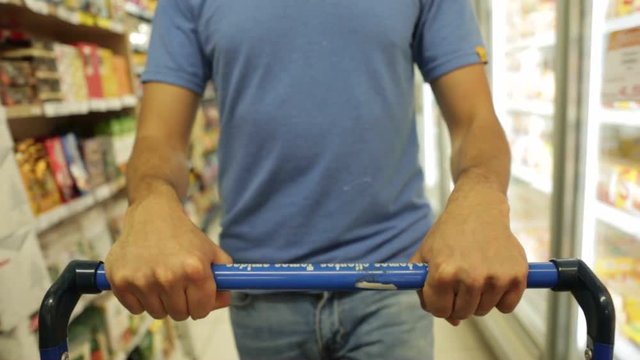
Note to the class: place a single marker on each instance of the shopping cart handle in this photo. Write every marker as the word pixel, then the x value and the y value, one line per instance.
pixel 88 277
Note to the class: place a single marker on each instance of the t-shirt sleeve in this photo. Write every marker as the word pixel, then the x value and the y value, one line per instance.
pixel 447 37
pixel 176 55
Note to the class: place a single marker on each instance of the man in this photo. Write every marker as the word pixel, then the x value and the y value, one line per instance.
pixel 319 163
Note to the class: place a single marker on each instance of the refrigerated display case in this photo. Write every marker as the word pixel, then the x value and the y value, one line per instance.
pixel 523 55
pixel 611 211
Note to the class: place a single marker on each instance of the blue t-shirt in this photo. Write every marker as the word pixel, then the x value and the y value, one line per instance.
pixel 318 150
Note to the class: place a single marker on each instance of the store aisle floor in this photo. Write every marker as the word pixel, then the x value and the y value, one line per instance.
pixel 459 343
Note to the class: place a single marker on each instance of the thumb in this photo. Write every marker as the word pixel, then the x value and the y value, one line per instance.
pixel 416 258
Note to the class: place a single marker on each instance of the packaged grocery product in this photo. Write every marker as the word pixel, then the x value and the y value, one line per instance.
pixel 94 160
pixel 626 7
pixel 24 95
pixel 631 328
pixel 76 165
pixel 59 167
pixel 73 83
pixel 37 177
pixel 107 74
pixel 15 73
pixel 73 4
pixel 121 132
pixel 112 171
pixel 91 63
pixel 624 188
pixel 121 70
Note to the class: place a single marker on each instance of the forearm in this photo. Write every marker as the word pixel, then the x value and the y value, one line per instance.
pixel 155 169
pixel 481 157
pixel 159 165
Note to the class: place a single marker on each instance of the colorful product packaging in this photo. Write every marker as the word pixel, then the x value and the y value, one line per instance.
pixel 76 165
pixel 91 63
pixel 107 74
pixel 59 167
pixel 121 70
pixel 36 174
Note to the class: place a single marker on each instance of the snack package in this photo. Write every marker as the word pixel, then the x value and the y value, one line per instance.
pixel 15 73
pixel 94 160
pixel 91 64
pixel 12 96
pixel 121 70
pixel 107 74
pixel 624 188
pixel 73 83
pixel 36 174
pixel 76 166
pixel 59 167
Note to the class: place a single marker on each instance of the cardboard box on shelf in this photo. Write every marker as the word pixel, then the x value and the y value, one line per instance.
pixel 121 70
pixel 21 265
pixel 19 343
pixel 14 207
pixel 108 74
pixel 91 62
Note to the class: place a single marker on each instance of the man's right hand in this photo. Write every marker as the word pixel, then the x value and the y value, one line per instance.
pixel 162 262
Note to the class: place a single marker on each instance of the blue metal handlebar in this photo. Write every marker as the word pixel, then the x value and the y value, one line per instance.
pixel 88 277
pixel 336 277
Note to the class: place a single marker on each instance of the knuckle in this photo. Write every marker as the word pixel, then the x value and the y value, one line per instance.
pixel 475 284
pixel 121 281
pixel 166 278
pixel 143 281
pixel 194 268
pixel 443 279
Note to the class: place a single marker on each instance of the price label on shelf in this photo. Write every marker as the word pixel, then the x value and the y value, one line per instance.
pixel 68 15
pixel 37 6
pixel 621 81
pixel 98 105
pixel 86 18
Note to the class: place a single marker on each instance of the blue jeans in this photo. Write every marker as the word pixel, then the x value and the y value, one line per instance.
pixel 359 325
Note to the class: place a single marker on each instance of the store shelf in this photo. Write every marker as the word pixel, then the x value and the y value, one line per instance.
pixel 24 111
pixel 533 107
pixel 46 15
pixel 533 178
pixel 619 219
pixel 136 340
pixel 622 23
pixel 58 109
pixel 542 40
pixel 74 207
pixel 629 118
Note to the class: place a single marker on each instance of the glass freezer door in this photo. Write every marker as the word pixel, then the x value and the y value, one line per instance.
pixel 523 79
pixel 611 214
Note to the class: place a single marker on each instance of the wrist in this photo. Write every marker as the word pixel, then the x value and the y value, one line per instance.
pixel 475 191
pixel 155 190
